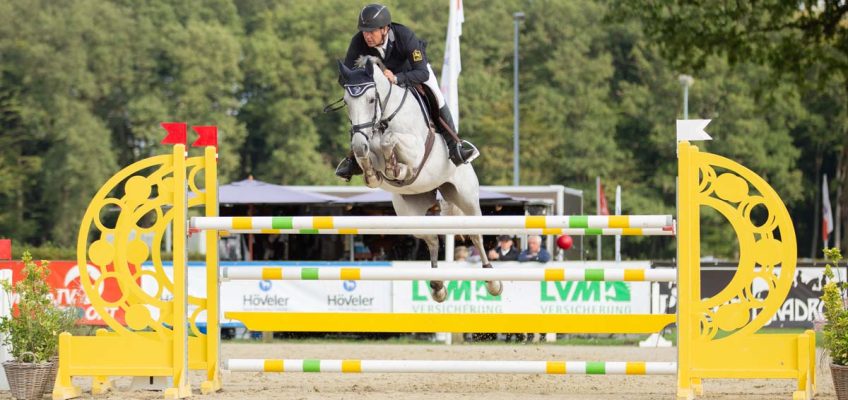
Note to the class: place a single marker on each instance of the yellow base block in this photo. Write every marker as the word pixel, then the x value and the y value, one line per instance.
pixel 66 392
pixel 179 392
pixel 101 385
pixel 212 385
pixel 685 394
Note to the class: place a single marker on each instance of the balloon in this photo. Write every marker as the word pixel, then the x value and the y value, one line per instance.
pixel 565 242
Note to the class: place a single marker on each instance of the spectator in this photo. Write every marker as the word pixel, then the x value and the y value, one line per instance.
pixel 460 253
pixel 534 251
pixel 473 254
pixel 505 250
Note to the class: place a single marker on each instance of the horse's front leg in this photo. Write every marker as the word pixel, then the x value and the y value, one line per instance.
pixel 395 156
pixel 361 150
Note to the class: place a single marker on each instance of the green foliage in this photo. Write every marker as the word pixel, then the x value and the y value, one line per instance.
pixel 835 311
pixel 38 323
pixel 48 251
pixel 84 84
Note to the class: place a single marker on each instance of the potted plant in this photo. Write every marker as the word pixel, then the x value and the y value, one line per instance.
pixel 835 328
pixel 32 332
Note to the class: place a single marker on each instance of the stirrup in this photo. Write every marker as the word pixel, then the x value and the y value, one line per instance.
pixel 474 154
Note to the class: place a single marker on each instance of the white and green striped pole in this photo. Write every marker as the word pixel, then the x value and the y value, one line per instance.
pixel 482 231
pixel 449 274
pixel 434 222
pixel 450 366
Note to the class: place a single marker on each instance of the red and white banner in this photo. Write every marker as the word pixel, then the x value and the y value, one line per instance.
pixel 66 289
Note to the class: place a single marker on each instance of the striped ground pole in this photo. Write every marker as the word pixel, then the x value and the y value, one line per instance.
pixel 449 274
pixel 448 366
pixel 434 222
pixel 665 231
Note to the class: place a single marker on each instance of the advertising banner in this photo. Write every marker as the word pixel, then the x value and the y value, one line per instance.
pixel 801 307
pixel 64 281
pixel 527 297
pixel 294 296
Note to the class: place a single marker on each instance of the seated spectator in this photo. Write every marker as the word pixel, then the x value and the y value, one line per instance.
pixel 473 254
pixel 505 250
pixel 534 251
pixel 460 253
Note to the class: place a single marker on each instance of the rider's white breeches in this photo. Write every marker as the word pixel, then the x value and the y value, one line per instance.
pixel 434 86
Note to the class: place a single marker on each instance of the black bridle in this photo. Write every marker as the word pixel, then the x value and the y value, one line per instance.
pixel 376 124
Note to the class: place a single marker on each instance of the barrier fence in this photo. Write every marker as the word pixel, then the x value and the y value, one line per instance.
pixel 716 336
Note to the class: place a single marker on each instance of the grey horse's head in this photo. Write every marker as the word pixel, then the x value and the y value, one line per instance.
pixel 361 85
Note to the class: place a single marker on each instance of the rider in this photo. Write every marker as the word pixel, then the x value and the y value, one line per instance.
pixel 406 64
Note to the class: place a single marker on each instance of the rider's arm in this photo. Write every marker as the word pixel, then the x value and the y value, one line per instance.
pixel 415 54
pixel 544 256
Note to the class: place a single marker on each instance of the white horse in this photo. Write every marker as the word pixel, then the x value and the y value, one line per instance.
pixel 389 135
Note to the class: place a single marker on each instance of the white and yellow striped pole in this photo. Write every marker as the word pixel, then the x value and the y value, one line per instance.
pixel 451 223
pixel 451 366
pixel 449 274
pixel 667 231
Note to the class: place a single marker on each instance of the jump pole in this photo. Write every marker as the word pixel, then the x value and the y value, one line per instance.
pixel 454 366
pixel 448 274
pixel 451 223
pixel 664 231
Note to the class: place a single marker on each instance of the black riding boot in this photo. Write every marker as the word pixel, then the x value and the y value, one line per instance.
pixel 458 154
pixel 348 168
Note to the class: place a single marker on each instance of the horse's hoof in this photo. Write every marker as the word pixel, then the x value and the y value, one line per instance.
pixel 438 291
pixel 440 295
pixel 495 288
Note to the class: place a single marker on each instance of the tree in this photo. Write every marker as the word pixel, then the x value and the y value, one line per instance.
pixel 805 41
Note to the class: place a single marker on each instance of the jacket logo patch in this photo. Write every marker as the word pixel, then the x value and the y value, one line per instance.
pixel 417 56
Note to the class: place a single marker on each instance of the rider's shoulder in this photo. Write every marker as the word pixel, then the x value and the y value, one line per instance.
pixel 402 31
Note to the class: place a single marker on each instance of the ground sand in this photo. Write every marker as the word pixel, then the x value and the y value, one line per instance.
pixel 256 386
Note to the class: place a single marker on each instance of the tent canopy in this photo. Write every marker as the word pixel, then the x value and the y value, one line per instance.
pixel 252 191
pixel 382 196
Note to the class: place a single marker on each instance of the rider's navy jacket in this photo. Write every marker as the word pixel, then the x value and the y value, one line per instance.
pixel 405 55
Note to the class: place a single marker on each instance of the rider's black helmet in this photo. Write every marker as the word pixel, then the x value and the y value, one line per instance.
pixel 373 17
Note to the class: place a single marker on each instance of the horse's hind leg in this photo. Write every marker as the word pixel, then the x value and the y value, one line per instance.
pixel 467 200
pixel 418 204
pixel 437 288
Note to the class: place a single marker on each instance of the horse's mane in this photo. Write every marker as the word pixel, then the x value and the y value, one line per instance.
pixel 360 62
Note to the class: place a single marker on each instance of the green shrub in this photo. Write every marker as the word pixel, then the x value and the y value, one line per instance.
pixel 37 325
pixel 836 325
pixel 47 251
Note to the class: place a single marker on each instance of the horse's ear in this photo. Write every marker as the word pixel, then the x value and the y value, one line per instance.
pixel 369 68
pixel 344 72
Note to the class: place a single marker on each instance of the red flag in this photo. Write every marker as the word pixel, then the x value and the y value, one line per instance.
pixel 602 199
pixel 208 136
pixel 5 249
pixel 176 132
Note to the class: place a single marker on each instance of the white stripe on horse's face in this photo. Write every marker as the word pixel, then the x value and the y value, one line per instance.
pixel 361 109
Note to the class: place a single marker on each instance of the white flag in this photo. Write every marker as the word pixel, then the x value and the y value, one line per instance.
pixel 452 66
pixel 827 212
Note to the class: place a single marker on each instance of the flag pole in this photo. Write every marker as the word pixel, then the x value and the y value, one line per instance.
pixel 598 209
